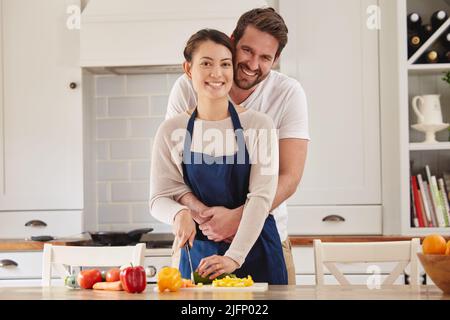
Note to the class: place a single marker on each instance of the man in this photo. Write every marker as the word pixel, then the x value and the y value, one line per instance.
pixel 259 38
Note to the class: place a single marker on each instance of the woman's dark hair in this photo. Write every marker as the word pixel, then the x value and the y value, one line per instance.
pixel 265 20
pixel 204 35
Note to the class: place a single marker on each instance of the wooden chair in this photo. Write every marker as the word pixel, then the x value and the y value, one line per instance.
pixel 403 252
pixel 62 257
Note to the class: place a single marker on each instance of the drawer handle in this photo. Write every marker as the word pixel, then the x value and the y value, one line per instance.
pixel 334 218
pixel 8 263
pixel 35 223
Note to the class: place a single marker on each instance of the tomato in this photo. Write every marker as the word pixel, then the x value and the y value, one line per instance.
pixel 113 275
pixel 87 278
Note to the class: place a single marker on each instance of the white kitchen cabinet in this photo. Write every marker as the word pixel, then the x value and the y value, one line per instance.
pixel 335 220
pixel 400 81
pixel 334 55
pixel 25 224
pixel 41 130
pixel 23 269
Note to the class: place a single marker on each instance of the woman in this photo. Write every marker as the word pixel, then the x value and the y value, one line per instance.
pixel 225 155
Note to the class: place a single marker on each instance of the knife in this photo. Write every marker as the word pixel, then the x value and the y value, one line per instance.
pixel 186 247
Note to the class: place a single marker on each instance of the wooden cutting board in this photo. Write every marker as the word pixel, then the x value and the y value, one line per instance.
pixel 256 287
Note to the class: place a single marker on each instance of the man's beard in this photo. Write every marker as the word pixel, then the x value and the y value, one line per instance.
pixel 245 84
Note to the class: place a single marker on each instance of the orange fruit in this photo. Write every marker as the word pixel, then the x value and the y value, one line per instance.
pixel 434 244
pixel 447 250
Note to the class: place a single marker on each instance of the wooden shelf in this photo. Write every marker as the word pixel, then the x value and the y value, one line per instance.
pixel 436 68
pixel 429 146
pixel 426 231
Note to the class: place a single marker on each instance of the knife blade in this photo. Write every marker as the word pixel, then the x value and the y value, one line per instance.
pixel 186 247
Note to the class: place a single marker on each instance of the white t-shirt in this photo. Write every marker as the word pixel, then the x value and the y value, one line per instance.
pixel 280 97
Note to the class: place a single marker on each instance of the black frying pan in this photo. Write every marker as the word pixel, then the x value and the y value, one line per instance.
pixel 114 238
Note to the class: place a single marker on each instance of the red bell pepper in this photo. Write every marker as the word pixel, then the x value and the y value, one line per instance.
pixel 133 279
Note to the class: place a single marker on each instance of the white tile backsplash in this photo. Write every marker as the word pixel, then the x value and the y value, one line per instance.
pixel 129 191
pixel 103 194
pixel 101 107
pixel 113 213
pixel 128 107
pixel 112 128
pixel 144 128
pixel 158 105
pixel 140 170
pixel 107 86
pixel 147 84
pixel 140 213
pixel 109 170
pixel 130 149
pixel 128 112
pixel 102 150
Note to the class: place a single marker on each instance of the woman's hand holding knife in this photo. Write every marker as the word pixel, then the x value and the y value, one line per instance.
pixel 184 228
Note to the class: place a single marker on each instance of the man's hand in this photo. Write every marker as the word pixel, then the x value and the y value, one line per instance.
pixel 196 206
pixel 222 223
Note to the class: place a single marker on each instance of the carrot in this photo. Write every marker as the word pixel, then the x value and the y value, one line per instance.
pixel 111 286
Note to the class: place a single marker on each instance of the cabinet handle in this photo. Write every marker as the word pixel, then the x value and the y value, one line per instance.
pixel 8 263
pixel 35 223
pixel 72 85
pixel 334 218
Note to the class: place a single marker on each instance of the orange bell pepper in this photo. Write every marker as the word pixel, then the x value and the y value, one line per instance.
pixel 169 279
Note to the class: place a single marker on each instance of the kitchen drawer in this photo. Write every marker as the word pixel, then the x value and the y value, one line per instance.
pixel 304 263
pixel 29 265
pixel 335 220
pixel 29 283
pixel 17 225
pixel 357 279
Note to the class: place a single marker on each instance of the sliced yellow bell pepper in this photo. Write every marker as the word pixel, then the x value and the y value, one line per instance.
pixel 169 279
pixel 233 282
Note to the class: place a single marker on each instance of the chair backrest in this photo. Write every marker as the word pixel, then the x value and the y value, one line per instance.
pixel 403 252
pixel 62 257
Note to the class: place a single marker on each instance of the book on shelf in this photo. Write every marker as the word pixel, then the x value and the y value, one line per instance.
pixel 414 220
pixel 430 200
pixel 417 202
pixel 444 199
pixel 431 205
pixel 439 205
pixel 426 206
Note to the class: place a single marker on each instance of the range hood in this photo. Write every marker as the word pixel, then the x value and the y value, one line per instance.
pixel 148 36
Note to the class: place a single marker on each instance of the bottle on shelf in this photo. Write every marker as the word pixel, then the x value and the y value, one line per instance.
pixel 446 57
pixel 445 39
pixel 431 56
pixel 414 22
pixel 438 18
pixel 414 43
pixel 427 31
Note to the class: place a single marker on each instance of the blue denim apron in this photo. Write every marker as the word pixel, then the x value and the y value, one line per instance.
pixel 224 181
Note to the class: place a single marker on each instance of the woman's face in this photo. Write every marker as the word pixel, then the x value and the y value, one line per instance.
pixel 211 70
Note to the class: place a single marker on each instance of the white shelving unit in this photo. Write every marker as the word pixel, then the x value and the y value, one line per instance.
pixel 400 80
pixel 429 146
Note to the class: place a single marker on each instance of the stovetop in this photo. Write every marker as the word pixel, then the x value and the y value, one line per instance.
pixel 151 240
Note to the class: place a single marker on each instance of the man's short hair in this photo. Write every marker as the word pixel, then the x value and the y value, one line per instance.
pixel 265 20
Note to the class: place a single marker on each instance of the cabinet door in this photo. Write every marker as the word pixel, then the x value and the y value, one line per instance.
pixel 42 115
pixel 334 56
pixel 2 132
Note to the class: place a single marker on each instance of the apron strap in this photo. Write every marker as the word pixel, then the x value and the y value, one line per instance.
pixel 239 132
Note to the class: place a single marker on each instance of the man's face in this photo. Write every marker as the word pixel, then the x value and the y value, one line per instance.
pixel 255 56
